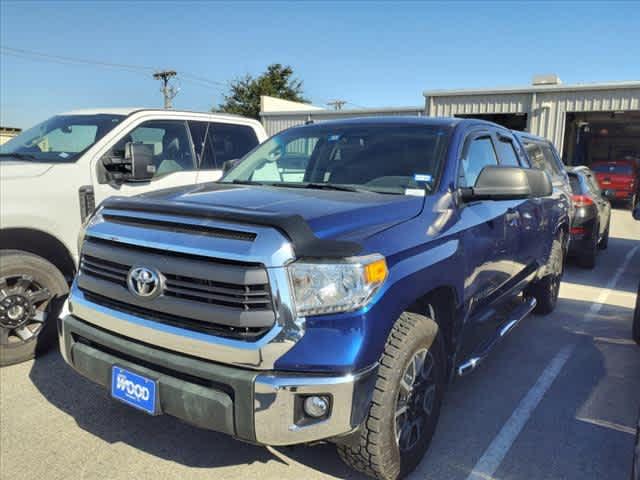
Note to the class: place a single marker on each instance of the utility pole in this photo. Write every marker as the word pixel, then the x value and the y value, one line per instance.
pixel 337 104
pixel 168 92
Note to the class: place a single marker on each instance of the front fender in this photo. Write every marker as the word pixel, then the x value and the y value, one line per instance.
pixel 351 341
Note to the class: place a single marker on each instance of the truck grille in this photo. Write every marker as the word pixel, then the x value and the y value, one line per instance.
pixel 205 293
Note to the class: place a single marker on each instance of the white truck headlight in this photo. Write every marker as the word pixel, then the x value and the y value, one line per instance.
pixel 330 286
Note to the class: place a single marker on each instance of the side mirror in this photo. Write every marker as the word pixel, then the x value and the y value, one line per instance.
pixel 508 183
pixel 229 164
pixel 636 212
pixel 140 157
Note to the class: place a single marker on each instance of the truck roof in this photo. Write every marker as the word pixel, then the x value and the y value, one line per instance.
pixel 132 110
pixel 403 120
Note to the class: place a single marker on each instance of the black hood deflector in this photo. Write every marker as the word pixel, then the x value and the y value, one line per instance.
pixel 304 241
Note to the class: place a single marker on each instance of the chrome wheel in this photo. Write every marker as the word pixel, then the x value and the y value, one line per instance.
pixel 416 399
pixel 23 305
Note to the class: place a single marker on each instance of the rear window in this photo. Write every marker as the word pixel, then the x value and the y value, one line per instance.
pixel 613 168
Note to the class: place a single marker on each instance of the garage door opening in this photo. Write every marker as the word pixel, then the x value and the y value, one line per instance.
pixel 592 137
pixel 513 121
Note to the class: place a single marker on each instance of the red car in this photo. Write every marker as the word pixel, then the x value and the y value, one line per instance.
pixel 618 179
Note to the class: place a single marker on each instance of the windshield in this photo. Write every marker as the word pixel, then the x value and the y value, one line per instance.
pixel 620 169
pixel 60 139
pixel 394 159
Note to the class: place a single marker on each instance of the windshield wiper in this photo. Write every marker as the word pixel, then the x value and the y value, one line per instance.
pixel 21 156
pixel 324 186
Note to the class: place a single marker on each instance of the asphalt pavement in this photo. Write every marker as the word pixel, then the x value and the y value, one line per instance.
pixel 558 399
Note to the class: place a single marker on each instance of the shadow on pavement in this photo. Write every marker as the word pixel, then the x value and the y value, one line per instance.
pixel 162 436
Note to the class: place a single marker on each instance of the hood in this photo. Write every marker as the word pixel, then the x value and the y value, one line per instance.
pixel 19 169
pixel 330 214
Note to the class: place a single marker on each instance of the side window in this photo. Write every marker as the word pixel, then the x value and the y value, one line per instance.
pixel 479 154
pixel 555 169
pixel 202 137
pixel 215 143
pixel 170 142
pixel 536 157
pixel 507 152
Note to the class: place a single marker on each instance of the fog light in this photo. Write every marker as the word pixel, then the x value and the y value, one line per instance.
pixel 316 406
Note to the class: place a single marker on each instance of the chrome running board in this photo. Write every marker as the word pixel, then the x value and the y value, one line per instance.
pixel 516 315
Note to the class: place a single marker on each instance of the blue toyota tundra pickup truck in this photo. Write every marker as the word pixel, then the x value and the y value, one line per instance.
pixel 327 288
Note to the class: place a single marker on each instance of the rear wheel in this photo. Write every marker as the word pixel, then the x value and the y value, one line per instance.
pixel 604 242
pixel 32 291
pixel 546 290
pixel 587 259
pixel 406 401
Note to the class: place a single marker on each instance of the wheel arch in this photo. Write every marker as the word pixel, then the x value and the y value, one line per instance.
pixel 42 244
pixel 444 300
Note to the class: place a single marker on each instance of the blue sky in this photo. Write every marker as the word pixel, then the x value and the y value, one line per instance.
pixel 371 54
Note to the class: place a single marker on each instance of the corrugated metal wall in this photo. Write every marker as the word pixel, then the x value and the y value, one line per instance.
pixel 451 106
pixel 276 122
pixel 546 110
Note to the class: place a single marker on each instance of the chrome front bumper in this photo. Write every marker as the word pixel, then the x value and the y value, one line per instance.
pixel 263 408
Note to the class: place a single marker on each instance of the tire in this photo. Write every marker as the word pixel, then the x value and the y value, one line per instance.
pixel 588 259
pixel 604 242
pixel 546 290
pixel 34 290
pixel 378 451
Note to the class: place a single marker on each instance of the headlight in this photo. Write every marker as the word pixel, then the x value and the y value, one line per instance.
pixel 92 219
pixel 321 287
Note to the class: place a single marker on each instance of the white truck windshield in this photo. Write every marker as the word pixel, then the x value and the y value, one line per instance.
pixel 60 139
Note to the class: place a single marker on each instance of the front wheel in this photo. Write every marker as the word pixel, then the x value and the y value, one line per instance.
pixel 406 401
pixel 31 296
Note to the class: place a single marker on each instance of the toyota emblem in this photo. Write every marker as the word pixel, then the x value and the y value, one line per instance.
pixel 144 282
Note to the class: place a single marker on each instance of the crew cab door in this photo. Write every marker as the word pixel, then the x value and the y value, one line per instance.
pixel 524 217
pixel 173 157
pixel 486 250
pixel 215 143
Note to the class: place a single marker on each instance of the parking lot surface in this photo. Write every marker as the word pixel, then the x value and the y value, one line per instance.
pixel 557 400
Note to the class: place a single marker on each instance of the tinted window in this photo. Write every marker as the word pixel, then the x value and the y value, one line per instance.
pixel 507 153
pixel 542 158
pixel 479 155
pixel 170 142
pixel 555 168
pixel 230 142
pixel 385 158
pixel 202 136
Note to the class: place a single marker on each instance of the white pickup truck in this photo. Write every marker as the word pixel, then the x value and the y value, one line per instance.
pixel 53 175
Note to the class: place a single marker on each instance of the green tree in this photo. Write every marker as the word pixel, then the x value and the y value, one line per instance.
pixel 244 93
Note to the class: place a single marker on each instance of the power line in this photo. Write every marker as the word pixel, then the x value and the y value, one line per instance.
pixel 141 69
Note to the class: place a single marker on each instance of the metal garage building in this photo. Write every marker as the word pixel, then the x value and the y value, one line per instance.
pixel 586 122
pixel 276 121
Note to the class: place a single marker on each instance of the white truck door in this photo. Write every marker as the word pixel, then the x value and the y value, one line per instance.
pixel 173 157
